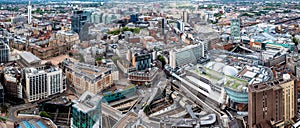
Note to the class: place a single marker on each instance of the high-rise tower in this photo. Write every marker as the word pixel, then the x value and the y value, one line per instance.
pixel 29 12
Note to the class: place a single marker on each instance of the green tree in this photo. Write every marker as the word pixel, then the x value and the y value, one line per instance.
pixel 98 58
pixel 70 54
pixel 8 20
pixel 4 108
pixel 136 30
pixel 126 29
pixel 44 114
pixel 81 58
pixel 161 59
pixel 115 32
pixel 295 40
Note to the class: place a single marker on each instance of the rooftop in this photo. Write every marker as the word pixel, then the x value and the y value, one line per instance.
pixel 87 102
pixel 10 73
pixel 89 71
pixel 29 57
pixel 42 69
pixel 215 76
pixel 36 123
pixel 275 84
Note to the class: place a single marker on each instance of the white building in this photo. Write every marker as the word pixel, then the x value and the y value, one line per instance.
pixel 42 82
pixel 54 81
pixel 29 13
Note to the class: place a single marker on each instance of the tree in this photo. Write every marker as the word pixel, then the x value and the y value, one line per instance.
pixel 162 60
pixel 115 32
pixel 70 54
pixel 136 30
pixel 295 40
pixel 98 58
pixel 81 58
pixel 44 114
pixel 8 20
pixel 4 108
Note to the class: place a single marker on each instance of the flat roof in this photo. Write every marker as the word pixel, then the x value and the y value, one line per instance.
pixel 250 74
pixel 87 102
pixel 87 70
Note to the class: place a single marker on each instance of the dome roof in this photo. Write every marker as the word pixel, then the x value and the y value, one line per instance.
pixel 230 71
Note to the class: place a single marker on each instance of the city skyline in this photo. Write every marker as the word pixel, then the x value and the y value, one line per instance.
pixel 149 63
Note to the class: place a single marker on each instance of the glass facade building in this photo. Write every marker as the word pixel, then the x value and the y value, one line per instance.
pixel 142 62
pixel 79 18
pixel 4 52
pixel 236 96
pixel 128 92
pixel 189 54
pixel 86 112
pixel 235 29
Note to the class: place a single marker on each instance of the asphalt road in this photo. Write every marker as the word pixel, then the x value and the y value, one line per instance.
pixel 14 109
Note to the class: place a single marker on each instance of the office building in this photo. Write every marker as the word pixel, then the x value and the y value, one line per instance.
pixel 29 16
pixel 273 102
pixel 85 77
pixel 86 112
pixel 185 16
pixel 235 30
pixel 143 77
pixel 180 25
pixel 186 55
pixel 134 18
pixel 110 18
pixel 42 82
pixel 79 18
pixel 142 61
pixel 96 17
pixel 12 82
pixel 163 23
pixel 4 52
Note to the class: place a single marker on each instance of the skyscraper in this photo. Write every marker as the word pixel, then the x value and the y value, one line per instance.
pixel 4 52
pixel 79 18
pixel 134 18
pixel 235 30
pixel 273 102
pixel 180 25
pixel 29 12
pixel 185 16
